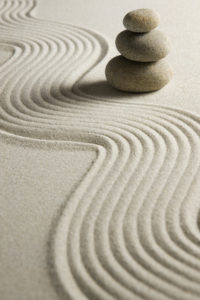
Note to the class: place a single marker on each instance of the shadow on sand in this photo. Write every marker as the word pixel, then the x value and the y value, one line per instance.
pixel 102 89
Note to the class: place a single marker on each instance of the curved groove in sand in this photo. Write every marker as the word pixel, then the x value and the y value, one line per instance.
pixel 131 227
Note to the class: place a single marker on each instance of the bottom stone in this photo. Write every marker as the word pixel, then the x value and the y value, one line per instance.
pixel 131 76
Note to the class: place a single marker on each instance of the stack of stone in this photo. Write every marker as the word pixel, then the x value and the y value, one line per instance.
pixel 140 67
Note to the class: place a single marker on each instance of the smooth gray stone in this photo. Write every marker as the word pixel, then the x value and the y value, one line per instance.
pixel 144 47
pixel 131 76
pixel 141 20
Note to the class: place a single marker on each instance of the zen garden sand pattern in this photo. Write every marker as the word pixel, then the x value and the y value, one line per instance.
pixel 128 228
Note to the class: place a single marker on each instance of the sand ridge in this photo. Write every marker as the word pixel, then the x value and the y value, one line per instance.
pixel 130 230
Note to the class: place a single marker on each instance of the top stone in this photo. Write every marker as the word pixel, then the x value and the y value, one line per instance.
pixel 141 20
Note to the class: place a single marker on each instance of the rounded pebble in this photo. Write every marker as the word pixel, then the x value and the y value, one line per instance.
pixel 141 20
pixel 131 76
pixel 144 47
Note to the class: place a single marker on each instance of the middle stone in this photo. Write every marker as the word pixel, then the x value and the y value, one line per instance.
pixel 143 47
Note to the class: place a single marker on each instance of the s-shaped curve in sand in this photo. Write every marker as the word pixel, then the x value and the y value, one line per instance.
pixel 130 230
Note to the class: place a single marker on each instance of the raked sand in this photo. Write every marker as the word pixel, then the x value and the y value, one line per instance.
pixel 99 189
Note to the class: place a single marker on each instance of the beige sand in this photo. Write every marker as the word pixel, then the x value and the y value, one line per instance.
pixel 99 189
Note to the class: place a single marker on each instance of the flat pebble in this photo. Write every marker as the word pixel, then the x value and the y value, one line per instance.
pixel 141 20
pixel 131 76
pixel 143 47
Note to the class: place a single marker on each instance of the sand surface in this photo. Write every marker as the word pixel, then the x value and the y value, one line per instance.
pixel 99 190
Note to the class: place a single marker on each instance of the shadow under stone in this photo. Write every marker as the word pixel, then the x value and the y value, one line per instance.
pixel 102 89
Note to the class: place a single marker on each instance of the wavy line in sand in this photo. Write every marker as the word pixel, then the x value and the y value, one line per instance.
pixel 130 230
